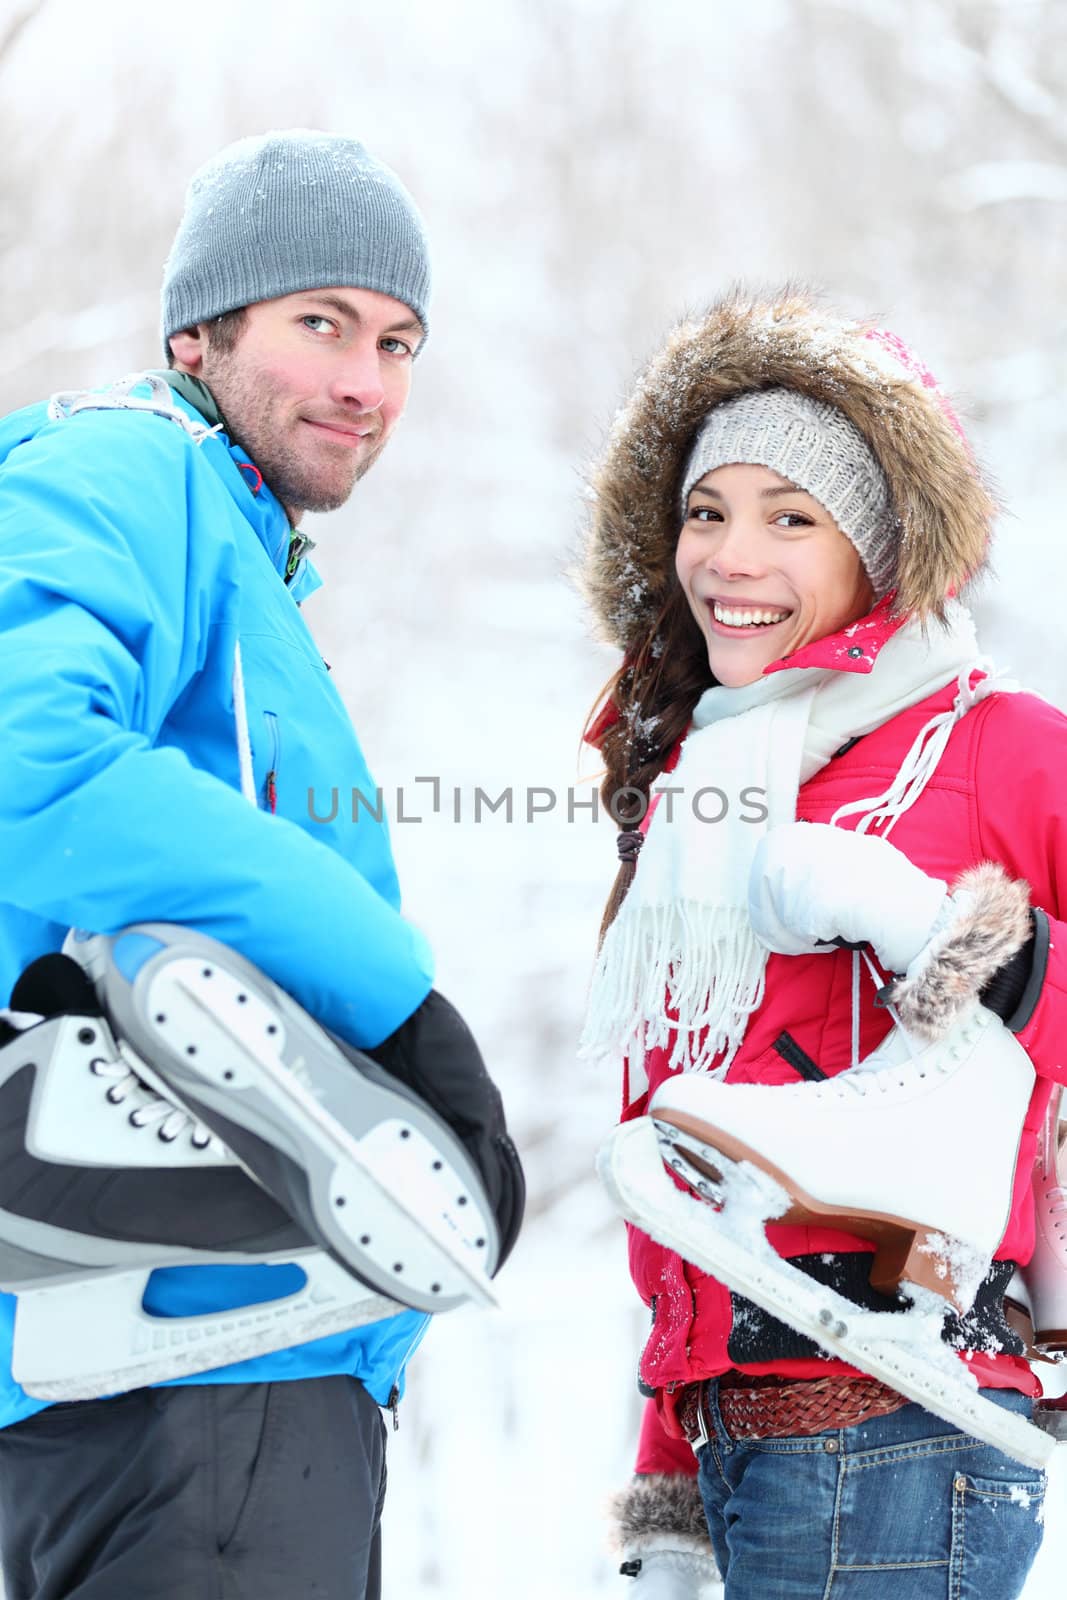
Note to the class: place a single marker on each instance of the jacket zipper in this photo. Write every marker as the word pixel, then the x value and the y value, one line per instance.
pixel 393 1402
pixel 299 543
pixel 798 1059
pixel 688 1341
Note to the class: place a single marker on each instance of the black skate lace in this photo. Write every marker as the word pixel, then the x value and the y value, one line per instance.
pixel 151 1108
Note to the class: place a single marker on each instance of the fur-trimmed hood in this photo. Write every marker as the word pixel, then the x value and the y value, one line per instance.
pixel 944 510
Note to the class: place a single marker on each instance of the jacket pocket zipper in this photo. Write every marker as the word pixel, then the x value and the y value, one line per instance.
pixel 798 1059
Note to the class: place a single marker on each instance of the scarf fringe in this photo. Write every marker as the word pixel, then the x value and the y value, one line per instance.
pixel 686 976
pixel 680 968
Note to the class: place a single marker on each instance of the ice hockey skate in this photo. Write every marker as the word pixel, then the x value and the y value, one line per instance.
pixel 102 1180
pixel 369 1173
pixel 1045 1275
pixel 888 1151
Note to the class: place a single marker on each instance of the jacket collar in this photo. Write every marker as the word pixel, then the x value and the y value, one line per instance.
pixel 854 648
pixel 258 505
pixel 196 392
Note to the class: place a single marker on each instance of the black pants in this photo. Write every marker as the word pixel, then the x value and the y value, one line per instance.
pixel 250 1491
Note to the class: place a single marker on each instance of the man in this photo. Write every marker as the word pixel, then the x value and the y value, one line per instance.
pixel 158 676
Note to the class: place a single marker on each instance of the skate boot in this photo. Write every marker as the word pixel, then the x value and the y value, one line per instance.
pixel 889 1150
pixel 1045 1275
pixel 101 1182
pixel 360 1163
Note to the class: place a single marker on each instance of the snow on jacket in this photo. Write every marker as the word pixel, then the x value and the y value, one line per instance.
pixel 995 795
pixel 136 550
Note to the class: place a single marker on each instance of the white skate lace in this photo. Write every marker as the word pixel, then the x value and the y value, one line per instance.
pixel 871 1074
pixel 150 1109
pixel 896 1075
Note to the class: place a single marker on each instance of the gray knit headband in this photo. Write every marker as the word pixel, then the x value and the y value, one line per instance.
pixel 272 215
pixel 816 447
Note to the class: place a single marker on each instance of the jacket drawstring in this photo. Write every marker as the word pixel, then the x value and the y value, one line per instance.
pixel 921 761
pixel 121 397
pixel 913 774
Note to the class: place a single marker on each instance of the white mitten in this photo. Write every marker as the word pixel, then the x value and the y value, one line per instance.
pixel 674 1575
pixel 662 1537
pixel 812 884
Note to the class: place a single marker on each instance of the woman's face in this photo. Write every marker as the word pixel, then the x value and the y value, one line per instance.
pixel 765 569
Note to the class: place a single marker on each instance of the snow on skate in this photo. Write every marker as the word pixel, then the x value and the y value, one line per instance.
pixel 882 1151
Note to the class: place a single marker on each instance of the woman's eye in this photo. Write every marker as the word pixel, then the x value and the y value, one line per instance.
pixel 793 519
pixel 704 514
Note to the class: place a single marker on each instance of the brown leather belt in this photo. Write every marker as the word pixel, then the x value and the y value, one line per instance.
pixel 780 1408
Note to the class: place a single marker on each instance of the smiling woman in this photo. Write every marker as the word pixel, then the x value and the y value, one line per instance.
pixel 786 513
pixel 765 569
pixel 783 521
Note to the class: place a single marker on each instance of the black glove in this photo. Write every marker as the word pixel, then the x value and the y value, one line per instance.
pixel 435 1054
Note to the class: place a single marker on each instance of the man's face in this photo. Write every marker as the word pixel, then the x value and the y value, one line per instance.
pixel 313 388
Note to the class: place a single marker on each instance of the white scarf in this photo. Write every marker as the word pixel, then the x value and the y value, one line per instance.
pixel 681 955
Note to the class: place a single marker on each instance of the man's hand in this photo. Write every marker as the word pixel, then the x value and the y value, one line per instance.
pixel 435 1054
pixel 813 886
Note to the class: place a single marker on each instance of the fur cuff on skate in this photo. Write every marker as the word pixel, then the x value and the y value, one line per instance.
pixel 993 923
pixel 660 1511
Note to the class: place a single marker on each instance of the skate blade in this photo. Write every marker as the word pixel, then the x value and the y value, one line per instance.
pixel 93 1337
pixel 902 1349
pixel 421 1245
pixel 905 1251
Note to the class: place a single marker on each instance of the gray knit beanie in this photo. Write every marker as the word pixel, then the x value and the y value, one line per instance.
pixel 281 212
pixel 816 447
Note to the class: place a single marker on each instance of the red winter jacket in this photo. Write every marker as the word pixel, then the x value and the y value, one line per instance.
pixel 997 794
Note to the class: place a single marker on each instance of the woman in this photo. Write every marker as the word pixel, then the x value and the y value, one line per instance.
pixel 783 515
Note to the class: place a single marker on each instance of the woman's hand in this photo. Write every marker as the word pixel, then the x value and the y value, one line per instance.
pixel 674 1575
pixel 813 886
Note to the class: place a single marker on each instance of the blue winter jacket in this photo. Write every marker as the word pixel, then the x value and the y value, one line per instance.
pixel 134 554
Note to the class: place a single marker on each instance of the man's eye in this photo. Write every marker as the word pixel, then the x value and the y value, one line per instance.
pixel 317 324
pixel 395 347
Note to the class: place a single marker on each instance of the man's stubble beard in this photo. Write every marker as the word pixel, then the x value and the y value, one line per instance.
pixel 251 426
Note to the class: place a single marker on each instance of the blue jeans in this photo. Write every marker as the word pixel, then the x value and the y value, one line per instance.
pixel 903 1507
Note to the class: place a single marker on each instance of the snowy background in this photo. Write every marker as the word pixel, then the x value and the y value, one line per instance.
pixel 588 170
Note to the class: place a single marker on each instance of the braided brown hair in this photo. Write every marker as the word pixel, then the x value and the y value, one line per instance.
pixel 654 692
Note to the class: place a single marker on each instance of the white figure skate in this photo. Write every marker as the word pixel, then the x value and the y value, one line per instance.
pixel 889 1151
pixel 1045 1275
